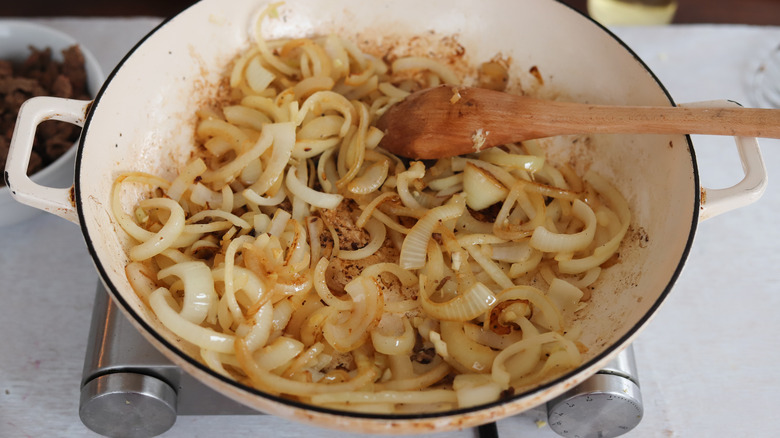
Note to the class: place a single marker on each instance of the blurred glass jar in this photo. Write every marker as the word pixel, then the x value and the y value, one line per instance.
pixel 632 12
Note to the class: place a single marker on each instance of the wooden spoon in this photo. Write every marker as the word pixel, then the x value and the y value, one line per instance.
pixel 446 121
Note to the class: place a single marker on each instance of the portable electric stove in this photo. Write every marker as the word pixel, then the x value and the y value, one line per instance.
pixel 130 389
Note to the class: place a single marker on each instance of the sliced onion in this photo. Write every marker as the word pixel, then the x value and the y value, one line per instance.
pixel 378 232
pixel 275 384
pixel 309 195
pixel 204 196
pixel 265 106
pixel 545 313
pixel 548 241
pixel 512 252
pixel 416 171
pixel 366 310
pixel 321 286
pixel 474 301
pixel 322 101
pixel 235 220
pixel 565 295
pixel 278 353
pixel 269 201
pixel 371 180
pixel 167 235
pixel 529 163
pixel 369 209
pixel 406 277
pixel 606 250
pixel 416 242
pixel 469 356
pixel 490 267
pixel 199 294
pixel 430 396
pixel 388 340
pixel 420 63
pixel 227 172
pixel 258 78
pixel 475 389
pixel 184 180
pixel 481 187
pixel 200 336
pixel 283 135
pixel 500 372
pixel 407 381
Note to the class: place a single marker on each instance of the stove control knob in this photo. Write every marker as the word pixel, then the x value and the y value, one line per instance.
pixel 127 404
pixel 606 405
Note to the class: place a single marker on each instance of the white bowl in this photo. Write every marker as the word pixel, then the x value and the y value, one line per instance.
pixel 16 37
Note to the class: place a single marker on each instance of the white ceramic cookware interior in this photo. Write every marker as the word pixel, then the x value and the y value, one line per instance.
pixel 144 118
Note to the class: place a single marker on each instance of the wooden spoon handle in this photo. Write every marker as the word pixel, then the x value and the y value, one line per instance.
pixel 446 121
pixel 576 118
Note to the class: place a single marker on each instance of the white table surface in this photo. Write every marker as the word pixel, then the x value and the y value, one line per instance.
pixel 708 362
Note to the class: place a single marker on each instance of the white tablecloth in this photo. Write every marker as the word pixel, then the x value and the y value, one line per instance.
pixel 708 362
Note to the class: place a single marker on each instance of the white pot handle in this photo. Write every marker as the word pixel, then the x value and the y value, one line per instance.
pixel 60 202
pixel 746 191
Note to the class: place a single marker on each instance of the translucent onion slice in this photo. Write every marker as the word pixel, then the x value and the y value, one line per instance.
pixel 565 295
pixel 369 209
pixel 416 243
pixel 229 171
pixel 512 252
pixel 416 171
pixel 468 356
pixel 548 241
pixel 203 337
pixel 378 232
pixel 407 277
pixel 473 302
pixel 386 338
pixel 259 327
pixel 501 374
pixel 475 389
pixel 371 180
pixel 618 203
pixel 481 187
pixel 283 135
pixel 309 195
pixel 278 353
pixel 184 180
pixel 420 63
pixel 545 314
pixel 322 289
pixel 491 268
pixel 235 220
pixel 406 397
pixel 257 77
pixel 275 384
pixel 199 294
pixel 203 196
pixel 167 235
pixel 529 163
pixel 404 382
pixel 367 303
pixel 269 201
pixel 322 101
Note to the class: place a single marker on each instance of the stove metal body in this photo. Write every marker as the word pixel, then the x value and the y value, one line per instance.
pixel 129 389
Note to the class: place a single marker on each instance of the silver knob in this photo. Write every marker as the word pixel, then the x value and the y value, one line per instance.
pixel 606 405
pixel 127 405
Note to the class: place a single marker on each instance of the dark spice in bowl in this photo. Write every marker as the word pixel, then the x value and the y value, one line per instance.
pixel 41 75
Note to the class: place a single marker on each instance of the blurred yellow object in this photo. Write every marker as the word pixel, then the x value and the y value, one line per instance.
pixel 632 12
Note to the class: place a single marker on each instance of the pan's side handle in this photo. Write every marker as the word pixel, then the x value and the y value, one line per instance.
pixel 59 202
pixel 746 191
